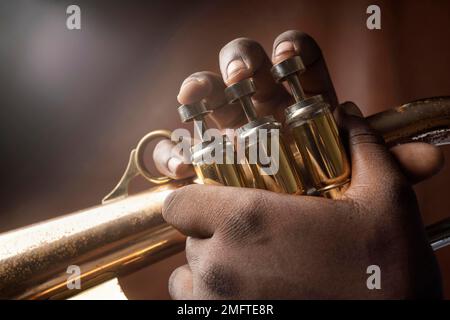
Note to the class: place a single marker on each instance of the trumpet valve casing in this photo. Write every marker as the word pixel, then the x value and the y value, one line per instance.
pixel 281 178
pixel 226 171
pixel 278 175
pixel 315 133
pixel 317 139
pixel 211 167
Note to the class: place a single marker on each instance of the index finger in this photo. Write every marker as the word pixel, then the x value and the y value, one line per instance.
pixel 200 211
pixel 185 209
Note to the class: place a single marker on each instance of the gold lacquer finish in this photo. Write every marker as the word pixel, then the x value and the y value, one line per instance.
pixel 225 172
pixel 425 120
pixel 104 241
pixel 136 167
pixel 283 177
pixel 214 161
pixel 322 156
pixel 128 233
pixel 317 140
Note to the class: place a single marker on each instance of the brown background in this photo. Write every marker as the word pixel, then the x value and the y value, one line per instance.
pixel 73 103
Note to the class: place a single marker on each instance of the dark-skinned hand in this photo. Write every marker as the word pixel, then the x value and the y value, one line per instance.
pixel 256 244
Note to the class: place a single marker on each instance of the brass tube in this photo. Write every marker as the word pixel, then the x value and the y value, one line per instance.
pixel 319 145
pixel 426 120
pixel 124 235
pixel 439 234
pixel 104 241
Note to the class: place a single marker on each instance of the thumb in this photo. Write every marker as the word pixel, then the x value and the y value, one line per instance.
pixel 374 169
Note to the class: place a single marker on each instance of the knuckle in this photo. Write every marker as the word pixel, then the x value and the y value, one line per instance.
pixel 364 136
pixel 174 200
pixel 301 41
pixel 391 194
pixel 219 280
pixel 168 211
pixel 238 43
pixel 291 35
pixel 249 50
pixel 192 254
pixel 201 75
pixel 400 192
pixel 247 218
pixel 190 244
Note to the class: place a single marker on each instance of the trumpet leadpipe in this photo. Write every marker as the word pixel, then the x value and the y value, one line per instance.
pixel 104 242
pixel 126 234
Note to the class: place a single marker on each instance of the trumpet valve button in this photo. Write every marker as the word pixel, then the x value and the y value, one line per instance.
pixel 285 68
pixel 240 90
pixel 189 112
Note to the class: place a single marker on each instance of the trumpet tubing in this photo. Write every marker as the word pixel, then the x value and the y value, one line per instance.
pixel 104 241
pixel 128 233
pixel 318 142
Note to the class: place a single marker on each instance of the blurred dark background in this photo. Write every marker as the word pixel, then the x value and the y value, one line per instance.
pixel 74 103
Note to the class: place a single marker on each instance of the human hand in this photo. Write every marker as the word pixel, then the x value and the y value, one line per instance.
pixel 256 244
pixel 243 58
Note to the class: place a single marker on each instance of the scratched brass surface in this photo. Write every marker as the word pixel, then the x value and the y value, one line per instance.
pixel 125 234
pixel 425 120
pixel 105 241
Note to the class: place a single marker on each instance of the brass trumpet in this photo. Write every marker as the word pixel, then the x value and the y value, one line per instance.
pixel 128 232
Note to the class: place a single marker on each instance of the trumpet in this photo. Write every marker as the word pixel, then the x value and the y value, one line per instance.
pixel 128 232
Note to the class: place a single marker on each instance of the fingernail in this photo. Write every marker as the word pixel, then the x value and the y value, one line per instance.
pixel 173 164
pixel 352 109
pixel 189 82
pixel 234 67
pixel 283 47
